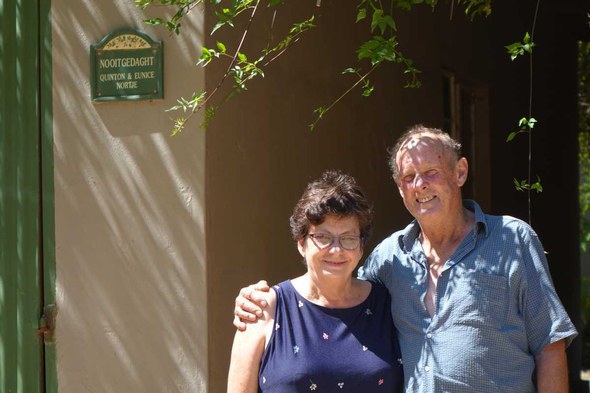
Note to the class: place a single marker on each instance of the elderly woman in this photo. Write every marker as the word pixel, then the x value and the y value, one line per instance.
pixel 324 330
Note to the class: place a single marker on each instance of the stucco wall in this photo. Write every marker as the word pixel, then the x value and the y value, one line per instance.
pixel 129 207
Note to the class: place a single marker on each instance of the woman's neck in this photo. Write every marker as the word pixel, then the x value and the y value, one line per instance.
pixel 331 292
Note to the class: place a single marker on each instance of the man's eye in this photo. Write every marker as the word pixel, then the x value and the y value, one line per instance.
pixel 431 172
pixel 408 179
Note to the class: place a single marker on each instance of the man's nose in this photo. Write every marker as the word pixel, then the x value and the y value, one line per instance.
pixel 419 181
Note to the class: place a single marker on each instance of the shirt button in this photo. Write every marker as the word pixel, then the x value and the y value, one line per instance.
pixel 429 335
pixel 426 368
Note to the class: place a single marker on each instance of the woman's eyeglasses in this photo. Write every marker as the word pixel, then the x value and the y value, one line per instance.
pixel 347 242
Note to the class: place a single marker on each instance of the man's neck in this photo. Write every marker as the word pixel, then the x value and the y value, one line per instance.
pixel 447 232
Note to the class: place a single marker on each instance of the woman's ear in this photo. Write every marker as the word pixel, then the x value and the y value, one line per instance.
pixel 301 247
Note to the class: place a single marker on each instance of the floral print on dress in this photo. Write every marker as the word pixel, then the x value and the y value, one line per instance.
pixel 310 335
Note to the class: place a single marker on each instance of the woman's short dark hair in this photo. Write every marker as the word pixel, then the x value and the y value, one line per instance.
pixel 334 193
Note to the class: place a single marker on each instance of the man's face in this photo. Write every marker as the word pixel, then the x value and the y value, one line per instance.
pixel 429 178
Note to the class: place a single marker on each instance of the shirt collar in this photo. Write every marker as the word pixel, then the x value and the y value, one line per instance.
pixel 411 232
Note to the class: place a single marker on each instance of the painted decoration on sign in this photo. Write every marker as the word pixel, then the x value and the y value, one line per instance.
pixel 126 65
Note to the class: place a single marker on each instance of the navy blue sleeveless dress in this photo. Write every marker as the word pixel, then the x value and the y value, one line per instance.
pixel 314 348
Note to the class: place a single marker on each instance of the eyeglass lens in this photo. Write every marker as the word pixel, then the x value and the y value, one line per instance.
pixel 346 242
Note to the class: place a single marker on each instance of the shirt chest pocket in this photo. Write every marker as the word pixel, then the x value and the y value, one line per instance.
pixel 478 298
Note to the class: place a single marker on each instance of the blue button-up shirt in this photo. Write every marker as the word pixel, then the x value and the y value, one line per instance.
pixel 496 307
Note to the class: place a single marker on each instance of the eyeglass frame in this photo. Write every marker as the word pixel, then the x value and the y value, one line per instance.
pixel 335 238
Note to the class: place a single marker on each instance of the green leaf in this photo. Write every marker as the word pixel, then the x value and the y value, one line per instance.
pixel 242 57
pixel 179 124
pixel 520 186
pixel 153 21
pixel 511 136
pixel 221 47
pixel 206 56
pixel 378 49
pixel 527 38
pixel 208 116
pixel 217 26
pixel 537 187
pixel 368 90
pixel 320 111
pixel 532 122
pixel 404 4
pixel 142 3
pixel 362 14
pixel 390 22
pixel 376 22
pixel 302 26
pixel 350 71
pixel 520 48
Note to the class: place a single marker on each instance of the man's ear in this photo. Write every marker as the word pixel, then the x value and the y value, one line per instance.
pixel 461 171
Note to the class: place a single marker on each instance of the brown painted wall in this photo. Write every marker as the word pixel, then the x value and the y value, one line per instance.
pixel 260 153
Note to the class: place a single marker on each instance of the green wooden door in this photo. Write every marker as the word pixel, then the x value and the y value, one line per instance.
pixel 26 193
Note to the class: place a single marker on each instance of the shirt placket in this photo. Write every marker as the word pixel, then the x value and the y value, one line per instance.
pixel 430 330
pixel 425 381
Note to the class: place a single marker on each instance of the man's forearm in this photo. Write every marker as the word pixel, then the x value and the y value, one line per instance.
pixel 552 370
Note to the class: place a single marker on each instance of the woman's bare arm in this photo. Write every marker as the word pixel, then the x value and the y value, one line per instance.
pixel 247 351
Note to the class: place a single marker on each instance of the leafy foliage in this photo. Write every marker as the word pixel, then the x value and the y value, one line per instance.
pixel 525 126
pixel 520 48
pixel 381 48
pixel 239 68
pixel 584 141
pixel 173 24
pixel 523 185
pixel 475 8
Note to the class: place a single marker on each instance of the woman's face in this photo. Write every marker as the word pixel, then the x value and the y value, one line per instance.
pixel 325 259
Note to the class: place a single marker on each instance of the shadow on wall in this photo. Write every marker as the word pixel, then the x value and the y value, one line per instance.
pixel 130 242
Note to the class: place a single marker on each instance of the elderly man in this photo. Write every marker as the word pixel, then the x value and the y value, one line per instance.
pixel 472 298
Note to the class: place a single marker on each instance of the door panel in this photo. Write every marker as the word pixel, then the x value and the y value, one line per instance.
pixel 21 350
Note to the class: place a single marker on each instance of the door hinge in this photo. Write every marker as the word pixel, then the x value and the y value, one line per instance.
pixel 46 328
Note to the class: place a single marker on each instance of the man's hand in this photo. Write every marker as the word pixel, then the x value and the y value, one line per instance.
pixel 249 304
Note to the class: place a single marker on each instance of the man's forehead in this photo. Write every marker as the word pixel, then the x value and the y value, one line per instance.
pixel 421 147
pixel 420 141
